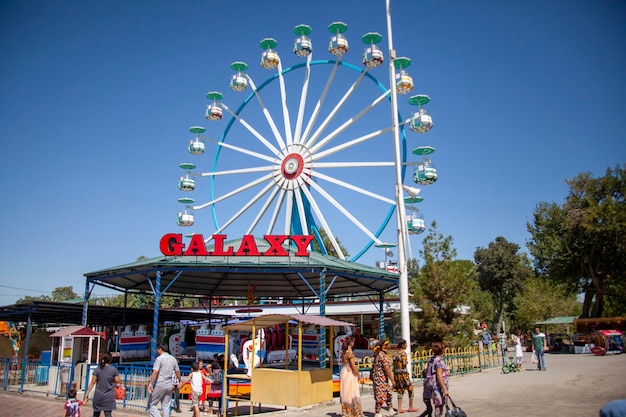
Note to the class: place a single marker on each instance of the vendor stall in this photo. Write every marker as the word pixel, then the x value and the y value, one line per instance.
pixel 288 386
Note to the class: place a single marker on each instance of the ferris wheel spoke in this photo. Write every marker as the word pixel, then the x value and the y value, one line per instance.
pixel 320 101
pixel 268 116
pixel 359 190
pixel 283 96
pixel 250 129
pixel 322 220
pixel 303 96
pixel 353 142
pixel 262 211
pixel 288 212
pixel 335 110
pixel 234 192
pixel 245 207
pixel 276 211
pixel 342 209
pixel 237 171
pixel 349 122
pixel 300 207
pixel 364 164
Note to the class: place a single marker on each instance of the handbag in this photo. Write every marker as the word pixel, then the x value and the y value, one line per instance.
pixel 455 411
pixel 533 358
pixel 120 392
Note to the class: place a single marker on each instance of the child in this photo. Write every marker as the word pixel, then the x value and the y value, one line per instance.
pixel 196 378
pixel 72 405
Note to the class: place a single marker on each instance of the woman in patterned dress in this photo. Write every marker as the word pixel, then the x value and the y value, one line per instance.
pixel 437 374
pixel 349 382
pixel 402 377
pixel 382 378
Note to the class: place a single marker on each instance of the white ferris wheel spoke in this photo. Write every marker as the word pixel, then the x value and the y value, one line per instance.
pixel 237 171
pixel 338 107
pixel 277 206
pixel 359 190
pixel 245 207
pixel 268 116
pixel 353 142
pixel 349 122
pixel 238 190
pixel 322 220
pixel 364 164
pixel 288 212
pixel 342 209
pixel 303 96
pixel 263 210
pixel 256 134
pixel 320 101
pixel 283 96
pixel 300 207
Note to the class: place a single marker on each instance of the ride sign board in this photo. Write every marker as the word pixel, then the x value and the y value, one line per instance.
pixel 172 244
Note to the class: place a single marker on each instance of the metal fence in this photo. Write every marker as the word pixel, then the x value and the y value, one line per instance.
pixel 458 360
pixel 56 378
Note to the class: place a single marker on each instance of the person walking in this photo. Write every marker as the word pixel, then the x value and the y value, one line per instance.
pixel 402 377
pixel 350 397
pixel 72 405
pixel 176 393
pixel 485 337
pixel 502 346
pixel 540 346
pixel 160 384
pixel 437 374
pixel 197 380
pixel 519 352
pixel 382 379
pixel 103 379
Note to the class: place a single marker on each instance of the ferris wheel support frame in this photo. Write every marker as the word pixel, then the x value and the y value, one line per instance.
pixel 401 213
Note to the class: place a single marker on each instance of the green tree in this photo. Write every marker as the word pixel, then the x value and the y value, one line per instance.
pixel 64 293
pixel 29 298
pixel 441 287
pixel 59 294
pixel 329 246
pixel 582 243
pixel 541 298
pixel 501 272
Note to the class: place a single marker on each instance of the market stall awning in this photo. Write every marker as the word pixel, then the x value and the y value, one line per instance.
pixel 269 320
pixel 558 320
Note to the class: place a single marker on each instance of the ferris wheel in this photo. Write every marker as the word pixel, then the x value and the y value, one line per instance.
pixel 307 150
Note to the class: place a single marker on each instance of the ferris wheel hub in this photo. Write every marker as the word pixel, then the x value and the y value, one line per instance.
pixel 292 166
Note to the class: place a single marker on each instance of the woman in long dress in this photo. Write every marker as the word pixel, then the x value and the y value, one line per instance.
pixel 437 374
pixel 349 382
pixel 382 379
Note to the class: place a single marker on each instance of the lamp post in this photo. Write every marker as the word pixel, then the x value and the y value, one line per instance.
pixel 400 212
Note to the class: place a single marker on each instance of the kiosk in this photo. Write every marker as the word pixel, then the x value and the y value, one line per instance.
pixel 288 386
pixel 74 348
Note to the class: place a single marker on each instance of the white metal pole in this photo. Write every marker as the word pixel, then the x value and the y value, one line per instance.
pixel 401 212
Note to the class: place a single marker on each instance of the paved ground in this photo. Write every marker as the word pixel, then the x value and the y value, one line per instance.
pixel 573 386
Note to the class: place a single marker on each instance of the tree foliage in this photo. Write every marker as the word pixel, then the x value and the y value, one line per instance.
pixel 59 294
pixel 329 246
pixel 442 288
pixel 501 272
pixel 582 243
pixel 540 298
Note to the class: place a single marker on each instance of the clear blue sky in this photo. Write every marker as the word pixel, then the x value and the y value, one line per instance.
pixel 97 97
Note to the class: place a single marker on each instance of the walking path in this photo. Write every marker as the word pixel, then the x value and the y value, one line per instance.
pixel 573 386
